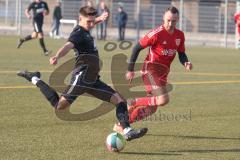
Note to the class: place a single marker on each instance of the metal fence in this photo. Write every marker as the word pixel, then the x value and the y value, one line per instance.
pixel 204 22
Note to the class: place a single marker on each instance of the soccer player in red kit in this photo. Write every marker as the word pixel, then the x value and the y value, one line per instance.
pixel 163 42
pixel 237 22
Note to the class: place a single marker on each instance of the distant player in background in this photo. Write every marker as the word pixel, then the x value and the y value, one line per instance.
pixel 121 19
pixel 85 75
pixel 163 42
pixel 237 22
pixel 57 16
pixel 103 25
pixel 39 9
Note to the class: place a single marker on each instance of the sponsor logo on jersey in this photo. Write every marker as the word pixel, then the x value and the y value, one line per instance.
pixel 169 52
pixel 40 10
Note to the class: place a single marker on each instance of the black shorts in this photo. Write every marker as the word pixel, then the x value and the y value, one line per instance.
pixel 79 86
pixel 37 25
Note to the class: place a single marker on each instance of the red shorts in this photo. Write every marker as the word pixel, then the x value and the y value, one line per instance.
pixel 154 76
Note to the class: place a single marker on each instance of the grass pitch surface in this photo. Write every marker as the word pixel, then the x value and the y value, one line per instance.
pixel 200 122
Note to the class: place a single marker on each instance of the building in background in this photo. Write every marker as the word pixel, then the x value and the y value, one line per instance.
pixel 200 19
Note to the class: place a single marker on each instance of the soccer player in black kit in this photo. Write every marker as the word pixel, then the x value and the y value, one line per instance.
pixel 39 9
pixel 85 77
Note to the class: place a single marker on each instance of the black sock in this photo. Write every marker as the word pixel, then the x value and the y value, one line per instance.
pixel 122 114
pixel 42 44
pixel 49 93
pixel 27 38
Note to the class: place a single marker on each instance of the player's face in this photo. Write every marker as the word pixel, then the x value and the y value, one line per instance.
pixel 87 22
pixel 170 21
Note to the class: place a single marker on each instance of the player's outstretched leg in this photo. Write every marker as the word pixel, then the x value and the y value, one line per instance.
pixel 133 134
pixel 123 118
pixel 140 108
pixel 34 77
pixel 28 75
pixel 130 133
pixel 142 112
pixel 22 40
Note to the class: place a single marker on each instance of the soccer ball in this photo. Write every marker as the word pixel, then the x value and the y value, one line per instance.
pixel 115 142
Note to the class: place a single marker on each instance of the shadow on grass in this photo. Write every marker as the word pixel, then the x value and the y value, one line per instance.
pixel 152 154
pixel 194 137
pixel 205 150
pixel 182 152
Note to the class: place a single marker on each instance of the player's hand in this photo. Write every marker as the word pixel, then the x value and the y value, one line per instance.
pixel 129 76
pixel 188 66
pixel 45 12
pixel 53 60
pixel 104 16
pixel 29 17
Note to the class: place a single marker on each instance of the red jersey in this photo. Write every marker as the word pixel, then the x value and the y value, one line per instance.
pixel 237 18
pixel 162 45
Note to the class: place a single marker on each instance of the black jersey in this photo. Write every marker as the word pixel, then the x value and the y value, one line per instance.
pixel 84 46
pixel 38 9
pixel 86 53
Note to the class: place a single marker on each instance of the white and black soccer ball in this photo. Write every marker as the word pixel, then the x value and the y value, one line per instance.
pixel 115 142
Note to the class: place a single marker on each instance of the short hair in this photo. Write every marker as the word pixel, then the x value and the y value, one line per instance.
pixel 88 11
pixel 172 9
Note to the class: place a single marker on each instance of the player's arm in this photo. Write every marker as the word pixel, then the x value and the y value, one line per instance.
pixel 102 17
pixel 46 11
pixel 182 55
pixel 135 52
pixel 27 11
pixel 61 52
pixel 184 60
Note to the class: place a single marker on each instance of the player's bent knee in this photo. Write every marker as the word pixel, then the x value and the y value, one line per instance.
pixel 40 35
pixel 162 100
pixel 34 35
pixel 62 104
pixel 116 98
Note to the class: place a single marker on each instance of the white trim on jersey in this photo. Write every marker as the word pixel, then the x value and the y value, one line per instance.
pixel 155 31
pixel 151 54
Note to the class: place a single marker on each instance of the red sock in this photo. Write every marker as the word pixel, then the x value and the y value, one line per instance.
pixel 141 112
pixel 145 101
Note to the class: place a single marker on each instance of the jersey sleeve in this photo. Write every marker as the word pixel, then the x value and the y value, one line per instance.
pixel 30 7
pixel 181 47
pixel 46 6
pixel 236 17
pixel 75 38
pixel 148 39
